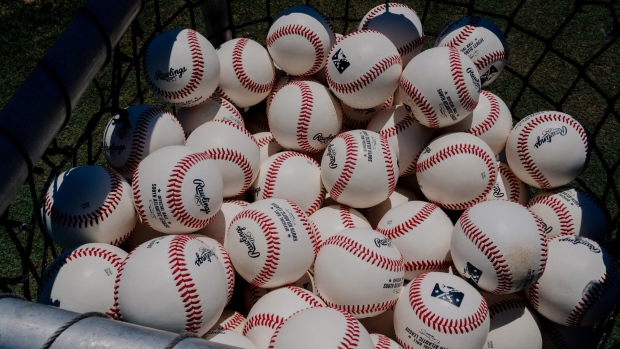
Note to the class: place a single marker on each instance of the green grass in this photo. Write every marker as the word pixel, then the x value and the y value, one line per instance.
pixel 569 72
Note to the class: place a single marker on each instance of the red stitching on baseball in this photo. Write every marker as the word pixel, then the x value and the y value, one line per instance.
pixel 344 213
pixel 442 324
pixel 174 191
pixel 239 128
pixel 108 206
pixel 264 141
pixel 365 254
pixel 348 167
pixel 354 123
pixel 137 198
pixel 244 79
pixel 420 101
pixel 272 321
pixel 532 295
pixel 233 322
pixel 489 58
pixel 380 9
pixel 305 222
pixel 361 309
pixel 197 71
pixel 411 223
pixel 319 199
pixel 230 273
pixel 389 165
pixel 490 120
pixel 522 148
pixel 123 238
pixel 567 226
pixel 411 168
pixel 273 244
pixel 542 236
pixel 427 265
pixel 352 333
pixel 306 296
pixel 411 46
pixel 459 82
pixel 185 283
pixel 237 158
pixel 398 127
pixel 514 183
pixel 464 33
pixel 455 149
pixel 115 311
pixel 315 236
pixel 368 77
pixel 505 305
pixel 297 29
pixel 383 342
pixel 592 295
pixel 305 114
pixel 491 252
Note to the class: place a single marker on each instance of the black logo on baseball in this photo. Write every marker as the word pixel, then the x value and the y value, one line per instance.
pixel 340 61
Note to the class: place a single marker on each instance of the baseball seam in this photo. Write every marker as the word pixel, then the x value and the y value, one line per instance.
pixel 489 58
pixel 374 72
pixel 184 282
pixel 398 127
pixel 349 165
pixel 242 76
pixel 117 311
pixel 264 141
pixel 305 115
pixel 236 157
pixel 427 265
pixel 389 165
pixel 365 254
pixel 361 309
pixel 505 305
pixel 456 69
pixel 490 120
pixel 304 295
pixel 464 33
pixel 263 320
pixel 233 322
pixel 420 101
pixel 514 183
pixel 383 342
pixel 567 225
pixel 409 224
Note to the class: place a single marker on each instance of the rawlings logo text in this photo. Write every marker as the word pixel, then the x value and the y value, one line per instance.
pixel 203 255
pixel 323 139
pixel 170 75
pixel 474 78
pixel 383 242
pixel 114 149
pixel 331 152
pixel 578 240
pixel 200 198
pixel 497 191
pixel 248 240
pixel 548 134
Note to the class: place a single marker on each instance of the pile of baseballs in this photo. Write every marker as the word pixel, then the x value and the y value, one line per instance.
pixel 327 191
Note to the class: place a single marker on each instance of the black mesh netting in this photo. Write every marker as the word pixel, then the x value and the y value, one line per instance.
pixel 562 56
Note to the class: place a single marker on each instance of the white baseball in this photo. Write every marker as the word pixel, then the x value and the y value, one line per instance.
pixel 332 219
pixel 456 170
pixel 337 329
pixel 536 149
pixel 404 134
pixel 588 277
pixel 361 259
pixel 139 131
pixel 88 204
pixel 482 41
pixel 375 213
pixel 229 338
pixel 251 294
pixel 383 342
pixel 400 23
pixel 491 120
pixel 177 190
pixel 279 177
pixel 298 40
pixel 247 74
pixel 230 320
pixel 282 81
pixel 82 279
pixel 499 246
pixel 508 187
pixel 271 243
pixel 214 108
pixel 421 231
pixel 267 145
pixel 441 86
pixel 222 256
pixel 234 150
pixel 567 210
pixel 358 118
pixel 181 67
pixel 172 283
pixel 359 168
pixel 218 227
pixel 442 310
pixel 363 69
pixel 304 116
pixel 273 309
pixel 514 325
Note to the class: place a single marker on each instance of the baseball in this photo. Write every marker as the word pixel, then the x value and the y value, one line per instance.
pixel 279 177
pixel 337 329
pixel 508 187
pixel 218 227
pixel 332 219
pixel 358 118
pixel 359 168
pixel 568 210
pixel 491 121
pixel 282 81
pixel 141 233
pixel 181 67
pixel 229 338
pixel 499 246
pixel 88 204
pixel 82 279
pixel 136 132
pixel 400 23
pixel 536 149
pixel 222 256
pixel 172 283
pixel 304 116
pixel 230 320
pixel 271 243
pixel 247 74
pixel 214 108
pixel 361 259
pixel 363 69
pixel 587 276
pixel 456 170
pixel 375 213
pixel 233 149
pixel 267 145
pixel 441 310
pixel 440 86
pixel 177 190
pixel 404 134
pixel 298 40
pixel 251 294
pixel 482 41
pixel 514 325
pixel 273 309
pixel 383 342
pixel 421 231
